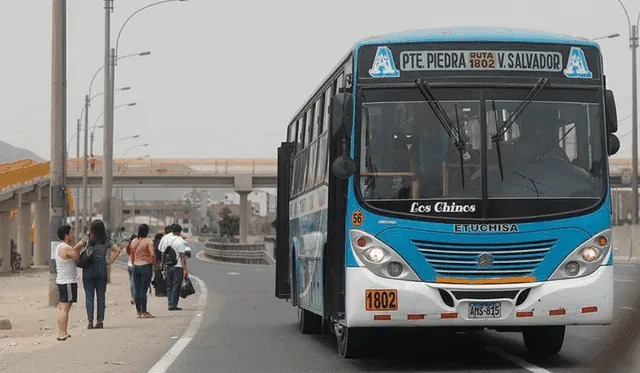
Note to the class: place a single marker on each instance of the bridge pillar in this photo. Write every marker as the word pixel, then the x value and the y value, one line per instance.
pixel 5 247
pixel 243 186
pixel 24 234
pixel 244 216
pixel 41 240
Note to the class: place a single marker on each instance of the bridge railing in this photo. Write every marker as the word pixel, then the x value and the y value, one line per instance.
pixel 178 167
pixel 16 174
pixel 257 253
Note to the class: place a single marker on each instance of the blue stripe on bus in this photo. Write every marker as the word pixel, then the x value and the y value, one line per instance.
pixel 424 244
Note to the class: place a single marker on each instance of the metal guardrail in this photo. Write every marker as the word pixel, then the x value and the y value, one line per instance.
pixel 178 167
pixel 238 253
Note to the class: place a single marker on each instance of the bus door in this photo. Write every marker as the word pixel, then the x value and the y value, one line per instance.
pixel 283 247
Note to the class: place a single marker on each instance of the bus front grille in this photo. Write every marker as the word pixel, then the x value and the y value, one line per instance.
pixel 512 259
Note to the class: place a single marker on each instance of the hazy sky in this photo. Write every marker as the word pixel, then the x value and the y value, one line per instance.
pixel 224 78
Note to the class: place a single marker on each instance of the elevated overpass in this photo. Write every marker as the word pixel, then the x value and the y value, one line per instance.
pixel 25 183
pixel 241 174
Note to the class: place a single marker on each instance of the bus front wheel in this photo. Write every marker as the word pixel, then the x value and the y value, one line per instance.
pixel 544 340
pixel 351 341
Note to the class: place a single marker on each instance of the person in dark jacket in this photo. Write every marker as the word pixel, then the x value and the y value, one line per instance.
pixel 94 277
pixel 159 282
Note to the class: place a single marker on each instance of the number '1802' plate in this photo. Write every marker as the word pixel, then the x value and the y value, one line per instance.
pixel 381 300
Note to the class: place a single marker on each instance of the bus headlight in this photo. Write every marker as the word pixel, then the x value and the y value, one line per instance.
pixel 589 254
pixel 379 258
pixel 586 258
pixel 374 254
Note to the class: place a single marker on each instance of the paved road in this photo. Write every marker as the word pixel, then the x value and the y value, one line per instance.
pixel 246 329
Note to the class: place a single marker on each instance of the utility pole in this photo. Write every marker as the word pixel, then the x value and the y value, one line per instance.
pixel 76 205
pixel 90 218
pixel 85 166
pixel 107 172
pixel 58 195
pixel 633 41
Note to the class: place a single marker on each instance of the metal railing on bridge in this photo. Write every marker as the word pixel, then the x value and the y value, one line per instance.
pixel 177 166
pixel 16 174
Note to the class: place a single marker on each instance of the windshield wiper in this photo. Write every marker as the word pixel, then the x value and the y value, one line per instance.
pixel 540 85
pixel 446 123
pixel 495 116
pixel 444 119
pixel 499 135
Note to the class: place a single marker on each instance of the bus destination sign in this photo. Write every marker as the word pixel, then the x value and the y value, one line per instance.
pixel 409 61
pixel 481 60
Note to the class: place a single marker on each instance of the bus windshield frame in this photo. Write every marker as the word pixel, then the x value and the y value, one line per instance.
pixel 493 191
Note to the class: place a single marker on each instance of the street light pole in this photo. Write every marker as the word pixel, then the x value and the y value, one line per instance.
pixel 85 167
pixel 76 209
pixel 112 54
pixel 107 172
pixel 633 44
pixel 133 147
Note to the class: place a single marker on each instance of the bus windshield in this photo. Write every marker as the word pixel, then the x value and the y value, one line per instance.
pixel 552 153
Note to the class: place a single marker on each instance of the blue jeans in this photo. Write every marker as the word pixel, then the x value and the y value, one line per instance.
pixel 142 280
pixel 94 280
pixel 174 281
pixel 132 288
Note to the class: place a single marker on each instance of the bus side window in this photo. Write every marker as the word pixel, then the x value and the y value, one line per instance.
pixel 339 82
pixel 322 158
pixel 325 110
pixel 308 138
pixel 294 177
pixel 291 132
pixel 301 133
pixel 311 174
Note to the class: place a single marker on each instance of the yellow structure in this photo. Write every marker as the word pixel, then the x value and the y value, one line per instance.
pixel 23 171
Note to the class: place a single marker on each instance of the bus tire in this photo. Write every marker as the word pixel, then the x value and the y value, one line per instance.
pixel 544 340
pixel 352 342
pixel 309 322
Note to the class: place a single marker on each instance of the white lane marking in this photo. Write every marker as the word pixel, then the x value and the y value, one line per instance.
pixel 628 308
pixel 232 273
pixel 165 362
pixel 625 280
pixel 516 360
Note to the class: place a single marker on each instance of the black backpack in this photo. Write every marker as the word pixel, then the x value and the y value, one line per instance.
pixel 169 257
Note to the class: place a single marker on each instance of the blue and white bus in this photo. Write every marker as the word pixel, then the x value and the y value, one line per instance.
pixel 452 177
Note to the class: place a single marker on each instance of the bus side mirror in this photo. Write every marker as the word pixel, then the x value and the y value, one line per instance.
pixel 611 112
pixel 613 144
pixel 341 125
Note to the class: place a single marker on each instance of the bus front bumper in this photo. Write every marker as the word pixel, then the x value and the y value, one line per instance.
pixel 582 301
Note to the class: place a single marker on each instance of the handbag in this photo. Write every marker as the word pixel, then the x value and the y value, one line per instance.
pixel 86 256
pixel 186 288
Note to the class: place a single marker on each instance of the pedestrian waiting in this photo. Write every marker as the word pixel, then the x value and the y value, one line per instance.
pixel 143 258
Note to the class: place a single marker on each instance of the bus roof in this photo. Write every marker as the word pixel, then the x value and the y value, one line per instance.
pixel 476 34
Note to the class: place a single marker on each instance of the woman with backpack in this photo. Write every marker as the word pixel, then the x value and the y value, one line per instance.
pixel 94 275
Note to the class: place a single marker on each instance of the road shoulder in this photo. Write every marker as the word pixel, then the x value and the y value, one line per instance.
pixel 132 344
